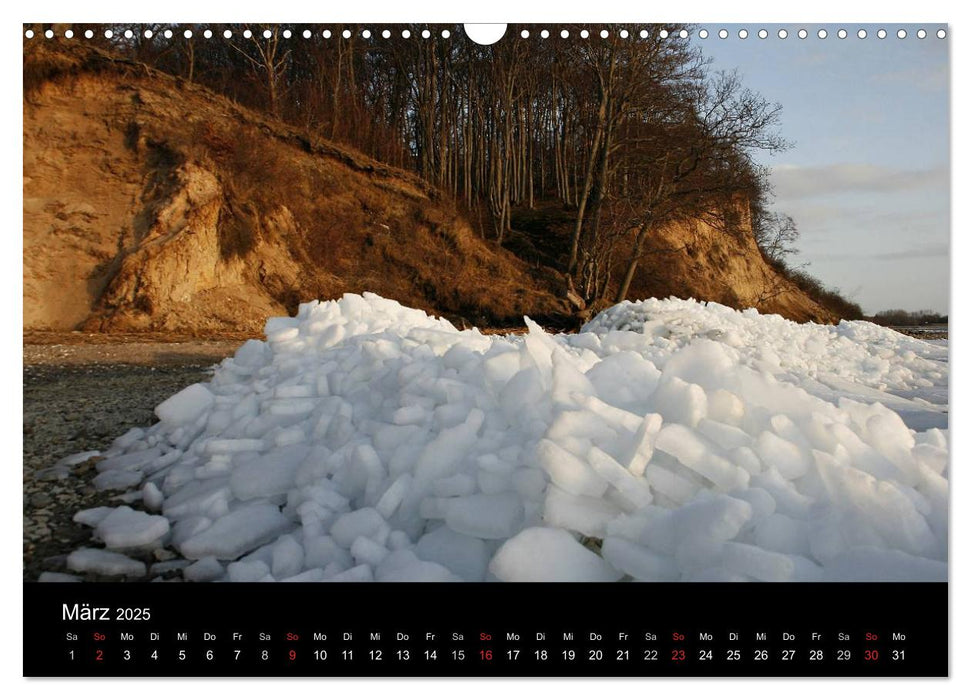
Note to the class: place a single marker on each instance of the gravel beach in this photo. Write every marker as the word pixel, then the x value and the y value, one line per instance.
pixel 79 395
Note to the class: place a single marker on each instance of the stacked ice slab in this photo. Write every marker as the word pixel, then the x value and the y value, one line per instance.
pixel 669 441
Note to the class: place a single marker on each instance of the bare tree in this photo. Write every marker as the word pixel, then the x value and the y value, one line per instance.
pixel 268 57
pixel 703 160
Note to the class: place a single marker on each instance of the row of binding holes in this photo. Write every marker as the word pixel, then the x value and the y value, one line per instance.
pixel 544 34
pixel 821 33
pixel 246 33
pixel 742 34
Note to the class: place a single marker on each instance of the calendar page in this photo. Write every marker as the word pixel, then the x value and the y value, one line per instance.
pixel 486 350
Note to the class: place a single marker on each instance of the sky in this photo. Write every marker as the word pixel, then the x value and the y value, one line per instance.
pixel 868 177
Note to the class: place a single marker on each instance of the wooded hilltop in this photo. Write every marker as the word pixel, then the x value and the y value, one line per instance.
pixel 546 176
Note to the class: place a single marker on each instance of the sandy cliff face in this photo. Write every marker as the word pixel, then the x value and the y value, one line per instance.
pixel 153 204
pixel 715 266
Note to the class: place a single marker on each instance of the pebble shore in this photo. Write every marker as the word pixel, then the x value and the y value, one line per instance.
pixel 74 401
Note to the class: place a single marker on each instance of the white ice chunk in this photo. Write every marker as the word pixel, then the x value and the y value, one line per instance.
pixel 270 474
pixel 365 522
pixel 680 402
pixel 583 514
pixel 780 533
pixel 464 556
pixel 791 461
pixel 287 558
pixel 92 516
pixel 758 563
pixel 101 561
pixel 126 528
pixel 568 472
pixel 206 569
pixel 548 554
pixel 446 450
pixel 719 518
pixel 247 571
pixel 152 496
pixel 640 562
pixel 641 447
pixel 240 531
pixel 692 451
pixel 495 517
pixel 367 551
pixel 186 406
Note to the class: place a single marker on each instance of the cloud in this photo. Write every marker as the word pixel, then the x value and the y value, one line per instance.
pixel 926 78
pixel 799 182
pixel 933 251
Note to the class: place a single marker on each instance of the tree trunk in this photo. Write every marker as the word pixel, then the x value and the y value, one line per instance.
pixel 632 264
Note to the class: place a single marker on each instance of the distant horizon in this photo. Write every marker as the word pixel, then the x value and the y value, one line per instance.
pixel 870 163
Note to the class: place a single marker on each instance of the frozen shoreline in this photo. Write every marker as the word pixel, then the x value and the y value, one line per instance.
pixel 367 441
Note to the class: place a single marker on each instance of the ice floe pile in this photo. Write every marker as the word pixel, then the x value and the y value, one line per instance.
pixel 853 359
pixel 670 441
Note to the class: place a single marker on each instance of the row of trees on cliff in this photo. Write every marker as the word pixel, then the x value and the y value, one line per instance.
pixel 629 132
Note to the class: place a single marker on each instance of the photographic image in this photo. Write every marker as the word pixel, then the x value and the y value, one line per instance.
pixel 659 303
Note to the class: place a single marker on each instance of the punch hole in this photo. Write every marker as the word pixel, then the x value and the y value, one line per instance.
pixel 802 34
pixel 841 34
pixel 486 34
pixel 882 34
pixel 168 33
pixel 783 33
pixel 703 34
pixel 822 34
pixel 743 34
pixel 941 34
pixel 861 33
pixel 366 34
pixel 49 34
pixel 763 34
